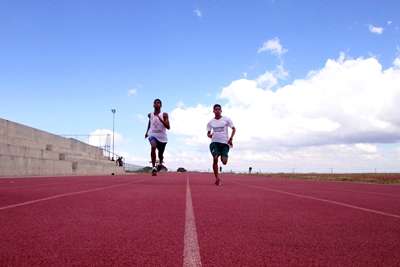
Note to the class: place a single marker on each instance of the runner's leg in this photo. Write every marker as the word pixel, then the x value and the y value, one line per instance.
pixel 153 152
pixel 215 167
pixel 161 149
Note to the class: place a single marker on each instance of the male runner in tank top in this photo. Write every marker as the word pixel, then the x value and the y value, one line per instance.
pixel 217 130
pixel 157 134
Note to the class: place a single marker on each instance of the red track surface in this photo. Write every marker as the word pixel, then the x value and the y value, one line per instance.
pixel 250 221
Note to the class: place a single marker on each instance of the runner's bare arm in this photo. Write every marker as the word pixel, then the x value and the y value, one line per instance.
pixel 148 128
pixel 232 135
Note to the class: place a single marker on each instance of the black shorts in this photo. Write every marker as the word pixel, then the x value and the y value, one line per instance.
pixel 219 149
pixel 160 145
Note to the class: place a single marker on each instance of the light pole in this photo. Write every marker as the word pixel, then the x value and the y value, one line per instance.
pixel 108 145
pixel 113 112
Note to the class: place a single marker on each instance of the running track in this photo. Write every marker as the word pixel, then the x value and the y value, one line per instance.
pixel 184 220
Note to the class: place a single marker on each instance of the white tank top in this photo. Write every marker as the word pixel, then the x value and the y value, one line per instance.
pixel 157 129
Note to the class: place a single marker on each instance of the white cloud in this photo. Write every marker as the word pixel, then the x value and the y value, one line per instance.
pixel 181 157
pixel 134 159
pixel 367 148
pixel 368 151
pixel 389 22
pixel 184 122
pixel 270 79
pixel 132 92
pixel 180 104
pixel 397 151
pixel 375 29
pixel 396 62
pixel 267 80
pixel 141 118
pixel 339 103
pixel 274 46
pixel 198 13
pixel 349 106
pixel 339 158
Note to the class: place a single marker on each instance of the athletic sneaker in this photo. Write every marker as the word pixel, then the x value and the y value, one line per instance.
pixel 161 168
pixel 154 171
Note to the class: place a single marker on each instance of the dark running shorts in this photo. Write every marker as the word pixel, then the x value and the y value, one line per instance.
pixel 219 149
pixel 160 145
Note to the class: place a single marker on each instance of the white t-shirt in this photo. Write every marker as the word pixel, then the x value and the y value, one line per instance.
pixel 157 129
pixel 219 129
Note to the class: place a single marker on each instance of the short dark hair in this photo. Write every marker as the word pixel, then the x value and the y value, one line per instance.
pixel 217 106
pixel 155 100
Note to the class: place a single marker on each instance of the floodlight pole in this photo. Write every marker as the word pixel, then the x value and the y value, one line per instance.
pixel 113 112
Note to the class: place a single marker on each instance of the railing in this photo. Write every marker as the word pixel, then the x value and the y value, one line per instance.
pixel 103 142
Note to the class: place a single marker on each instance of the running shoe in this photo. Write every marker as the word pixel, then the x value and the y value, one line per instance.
pixel 161 168
pixel 154 171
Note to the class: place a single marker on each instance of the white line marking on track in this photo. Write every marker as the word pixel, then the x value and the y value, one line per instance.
pixel 191 251
pixel 324 200
pixel 35 186
pixel 352 191
pixel 63 195
pixel 358 192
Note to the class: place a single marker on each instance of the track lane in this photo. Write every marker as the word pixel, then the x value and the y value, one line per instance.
pixel 373 197
pixel 32 189
pixel 143 224
pixel 139 224
pixel 242 226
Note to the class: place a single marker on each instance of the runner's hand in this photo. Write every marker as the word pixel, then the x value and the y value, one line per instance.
pixel 230 142
pixel 209 134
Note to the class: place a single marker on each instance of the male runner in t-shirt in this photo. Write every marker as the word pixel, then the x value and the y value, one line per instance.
pixel 157 134
pixel 217 130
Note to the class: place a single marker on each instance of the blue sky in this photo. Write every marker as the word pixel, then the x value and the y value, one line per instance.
pixel 65 64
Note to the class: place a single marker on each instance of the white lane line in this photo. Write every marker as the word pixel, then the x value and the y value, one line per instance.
pixel 63 195
pixel 35 186
pixel 324 200
pixel 351 191
pixel 358 192
pixel 191 251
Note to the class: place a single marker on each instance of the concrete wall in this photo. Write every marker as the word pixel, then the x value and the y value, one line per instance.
pixel 26 151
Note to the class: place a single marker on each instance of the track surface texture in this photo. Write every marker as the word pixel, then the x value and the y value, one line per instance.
pixel 183 219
